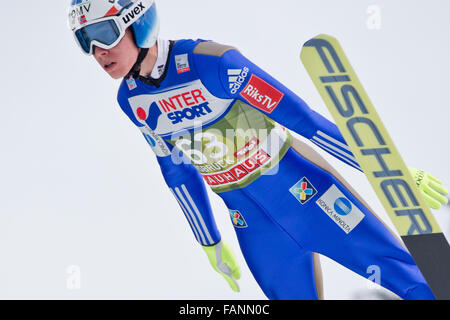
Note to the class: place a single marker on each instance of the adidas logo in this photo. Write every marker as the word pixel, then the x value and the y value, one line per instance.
pixel 236 77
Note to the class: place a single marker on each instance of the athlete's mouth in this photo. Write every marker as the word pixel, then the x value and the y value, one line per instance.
pixel 109 65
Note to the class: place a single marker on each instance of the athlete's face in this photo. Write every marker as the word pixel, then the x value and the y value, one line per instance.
pixel 118 61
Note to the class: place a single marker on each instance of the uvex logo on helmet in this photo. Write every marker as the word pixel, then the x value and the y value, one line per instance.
pixel 133 13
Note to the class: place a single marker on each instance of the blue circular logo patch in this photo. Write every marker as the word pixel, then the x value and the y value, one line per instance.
pixel 342 206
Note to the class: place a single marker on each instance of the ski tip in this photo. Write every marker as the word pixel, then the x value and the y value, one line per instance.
pixel 313 42
pixel 322 36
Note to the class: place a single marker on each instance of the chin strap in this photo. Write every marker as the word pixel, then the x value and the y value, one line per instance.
pixel 134 72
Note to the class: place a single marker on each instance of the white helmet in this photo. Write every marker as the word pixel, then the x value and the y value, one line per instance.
pixel 103 22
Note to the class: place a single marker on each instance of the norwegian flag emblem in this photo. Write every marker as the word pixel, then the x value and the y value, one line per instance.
pixel 83 19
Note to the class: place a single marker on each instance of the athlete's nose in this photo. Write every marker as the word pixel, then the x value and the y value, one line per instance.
pixel 100 51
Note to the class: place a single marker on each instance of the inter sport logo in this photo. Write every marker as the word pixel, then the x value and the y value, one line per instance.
pixel 187 105
pixel 177 108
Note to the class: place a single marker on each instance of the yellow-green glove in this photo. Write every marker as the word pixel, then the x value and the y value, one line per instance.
pixel 223 261
pixel 431 187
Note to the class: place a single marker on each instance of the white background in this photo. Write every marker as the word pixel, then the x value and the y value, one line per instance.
pixel 80 187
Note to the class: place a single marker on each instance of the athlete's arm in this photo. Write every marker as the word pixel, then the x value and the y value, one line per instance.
pixel 241 79
pixel 188 188
pixel 183 180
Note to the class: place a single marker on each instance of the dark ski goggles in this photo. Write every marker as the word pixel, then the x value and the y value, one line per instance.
pixel 105 34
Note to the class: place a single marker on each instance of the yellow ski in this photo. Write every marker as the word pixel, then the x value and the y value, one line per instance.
pixel 380 160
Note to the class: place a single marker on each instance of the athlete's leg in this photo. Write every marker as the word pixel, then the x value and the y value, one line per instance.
pixel 357 241
pixel 282 268
pixel 419 289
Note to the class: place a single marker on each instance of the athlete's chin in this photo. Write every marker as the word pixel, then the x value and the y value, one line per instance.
pixel 117 74
pixel 116 70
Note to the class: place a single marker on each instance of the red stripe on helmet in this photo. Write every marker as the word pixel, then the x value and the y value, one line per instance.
pixel 111 11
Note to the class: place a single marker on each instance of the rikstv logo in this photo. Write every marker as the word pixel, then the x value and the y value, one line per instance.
pixel 261 94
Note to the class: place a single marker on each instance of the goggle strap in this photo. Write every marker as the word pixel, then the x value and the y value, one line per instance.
pixel 134 72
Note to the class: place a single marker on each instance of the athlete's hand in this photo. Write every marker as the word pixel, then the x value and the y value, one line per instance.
pixel 223 261
pixel 431 188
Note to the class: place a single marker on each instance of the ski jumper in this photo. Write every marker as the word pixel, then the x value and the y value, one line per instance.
pixel 212 116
